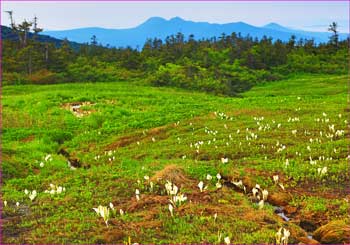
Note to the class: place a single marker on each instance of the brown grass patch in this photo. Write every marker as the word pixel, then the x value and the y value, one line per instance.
pixel 334 232
pixel 173 173
pixel 149 200
pixel 28 139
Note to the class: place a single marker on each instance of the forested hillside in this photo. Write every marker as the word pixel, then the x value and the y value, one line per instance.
pixel 226 65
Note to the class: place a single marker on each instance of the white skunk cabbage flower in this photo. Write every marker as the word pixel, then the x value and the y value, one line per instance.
pixel 103 211
pixel 137 193
pixel 224 160
pixel 171 209
pixel 261 204
pixel 227 240
pixel 279 236
pixel 111 206
pixel 265 194
pixel 218 185
pixel 32 195
pixel 200 186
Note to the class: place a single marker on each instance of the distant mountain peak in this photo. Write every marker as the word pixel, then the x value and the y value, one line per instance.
pixel 275 26
pixel 176 18
pixel 154 21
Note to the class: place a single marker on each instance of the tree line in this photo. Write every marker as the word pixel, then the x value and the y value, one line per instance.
pixel 226 65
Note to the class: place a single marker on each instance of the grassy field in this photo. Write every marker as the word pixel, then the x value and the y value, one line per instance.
pixel 108 140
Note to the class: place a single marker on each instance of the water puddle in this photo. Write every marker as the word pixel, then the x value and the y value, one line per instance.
pixel 279 212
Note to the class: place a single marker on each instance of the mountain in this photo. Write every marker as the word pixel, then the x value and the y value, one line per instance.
pixel 276 27
pixel 161 28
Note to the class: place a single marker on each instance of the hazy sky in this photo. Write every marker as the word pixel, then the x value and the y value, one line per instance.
pixel 57 15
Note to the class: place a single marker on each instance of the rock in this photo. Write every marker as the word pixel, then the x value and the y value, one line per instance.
pixel 334 232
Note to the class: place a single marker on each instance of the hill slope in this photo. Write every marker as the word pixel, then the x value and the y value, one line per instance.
pixel 8 34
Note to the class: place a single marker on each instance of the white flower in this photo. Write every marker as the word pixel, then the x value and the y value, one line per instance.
pixel 146 177
pixel 137 192
pixel 261 204
pixel 227 240
pixel 104 212
pixel 200 186
pixel 218 185
pixel 275 178
pixel 209 177
pixel 26 192
pixel 279 236
pixel 153 139
pixel 121 212
pixel 218 176
pixel 42 164
pixel 111 206
pixel 265 194
pixel 5 203
pixel 282 187
pixel 48 157
pixel 59 190
pixel 171 208
pixel 285 237
pixel 215 216
pixel 17 204
pixel 257 186
pixel 32 195
pixel 224 160
pixel 174 190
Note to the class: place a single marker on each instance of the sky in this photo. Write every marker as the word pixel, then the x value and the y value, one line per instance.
pixel 55 15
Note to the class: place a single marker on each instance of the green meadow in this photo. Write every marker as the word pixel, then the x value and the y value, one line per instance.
pixel 280 149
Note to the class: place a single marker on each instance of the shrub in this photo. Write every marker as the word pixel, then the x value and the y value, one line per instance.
pixel 43 77
pixel 13 78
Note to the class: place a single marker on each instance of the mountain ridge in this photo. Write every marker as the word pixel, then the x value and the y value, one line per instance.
pixel 158 27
